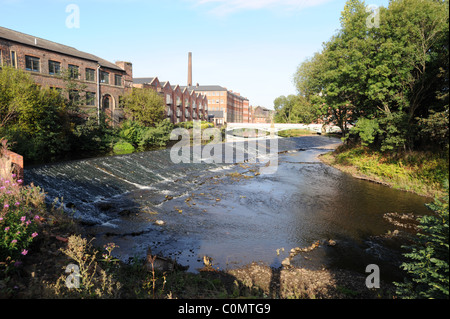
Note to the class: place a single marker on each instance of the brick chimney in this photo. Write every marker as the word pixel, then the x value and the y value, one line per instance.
pixel 190 69
pixel 128 68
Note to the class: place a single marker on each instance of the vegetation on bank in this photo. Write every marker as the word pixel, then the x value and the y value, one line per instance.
pixel 295 133
pixel 423 173
pixel 46 125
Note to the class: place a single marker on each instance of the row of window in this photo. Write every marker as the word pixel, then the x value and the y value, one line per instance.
pixel 33 64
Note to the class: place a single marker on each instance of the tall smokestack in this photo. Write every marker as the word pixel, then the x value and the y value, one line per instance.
pixel 190 70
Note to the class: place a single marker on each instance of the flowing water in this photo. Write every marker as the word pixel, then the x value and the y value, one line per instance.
pixel 229 212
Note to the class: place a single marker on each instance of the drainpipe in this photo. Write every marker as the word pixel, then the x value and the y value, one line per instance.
pixel 98 94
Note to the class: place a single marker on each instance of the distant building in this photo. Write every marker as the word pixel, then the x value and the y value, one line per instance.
pixel 261 115
pixel 182 103
pixel 226 106
pixel 44 60
pixel 247 113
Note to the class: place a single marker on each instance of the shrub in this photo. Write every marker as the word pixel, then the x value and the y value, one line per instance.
pixel 429 256
pixel 123 148
pixel 20 210
pixel 367 130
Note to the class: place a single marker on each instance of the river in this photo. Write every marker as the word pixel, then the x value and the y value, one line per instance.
pixel 230 212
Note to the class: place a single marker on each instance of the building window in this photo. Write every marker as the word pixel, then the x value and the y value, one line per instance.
pixel 54 67
pixel 90 98
pixel 90 75
pixel 32 64
pixel 118 80
pixel 74 97
pixel 104 77
pixel 74 72
pixel 14 59
pixel 106 102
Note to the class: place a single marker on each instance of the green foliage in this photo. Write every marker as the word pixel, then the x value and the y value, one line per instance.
pixel 396 73
pixel 121 148
pixel 43 126
pixel 190 124
pixel 20 208
pixel 293 109
pixel 142 137
pixel 90 138
pixel 294 133
pixel 144 106
pixel 420 172
pixel 429 256
pixel 367 130
pixel 35 118
pixel 157 136
pixel 434 129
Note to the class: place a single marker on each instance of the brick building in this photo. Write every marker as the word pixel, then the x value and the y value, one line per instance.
pixel 247 112
pixel 182 103
pixel 226 106
pixel 261 115
pixel 44 60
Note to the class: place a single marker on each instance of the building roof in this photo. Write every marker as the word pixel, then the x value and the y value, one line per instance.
pixel 217 114
pixel 143 80
pixel 206 88
pixel 36 42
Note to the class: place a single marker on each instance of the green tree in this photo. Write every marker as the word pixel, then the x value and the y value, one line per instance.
pixel 144 106
pixel 293 109
pixel 395 73
pixel 34 119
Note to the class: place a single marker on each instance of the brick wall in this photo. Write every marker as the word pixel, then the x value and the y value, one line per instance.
pixel 44 78
pixel 17 161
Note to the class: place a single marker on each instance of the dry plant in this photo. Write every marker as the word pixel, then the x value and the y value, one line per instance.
pixel 93 281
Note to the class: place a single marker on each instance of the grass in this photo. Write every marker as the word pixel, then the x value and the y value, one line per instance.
pixel 422 173
pixel 295 133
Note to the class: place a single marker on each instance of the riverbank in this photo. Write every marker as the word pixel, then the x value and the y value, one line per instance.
pixel 43 275
pixel 421 173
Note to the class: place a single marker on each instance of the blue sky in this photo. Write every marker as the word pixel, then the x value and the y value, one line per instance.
pixel 249 46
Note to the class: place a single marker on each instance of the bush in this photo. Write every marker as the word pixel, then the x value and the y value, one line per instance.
pixel 123 148
pixel 429 256
pixel 20 210
pixel 143 137
pixel 367 130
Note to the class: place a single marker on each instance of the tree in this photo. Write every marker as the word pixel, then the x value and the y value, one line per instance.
pixel 395 73
pixel 144 106
pixel 34 119
pixel 293 109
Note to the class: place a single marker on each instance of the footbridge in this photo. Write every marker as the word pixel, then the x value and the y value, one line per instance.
pixel 277 127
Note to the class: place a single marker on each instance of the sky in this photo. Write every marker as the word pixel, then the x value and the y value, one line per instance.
pixel 253 47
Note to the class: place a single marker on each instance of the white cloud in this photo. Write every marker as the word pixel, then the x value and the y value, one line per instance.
pixel 225 7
